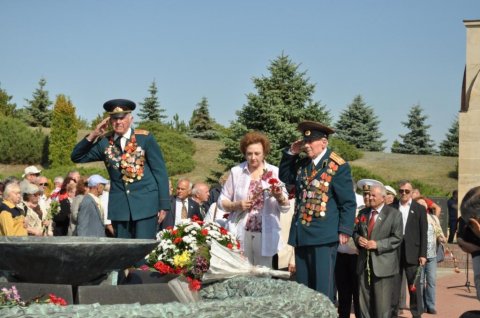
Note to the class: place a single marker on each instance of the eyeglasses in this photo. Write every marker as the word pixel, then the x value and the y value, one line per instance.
pixel 402 191
pixel 43 184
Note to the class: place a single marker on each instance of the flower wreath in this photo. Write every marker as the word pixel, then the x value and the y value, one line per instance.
pixel 130 162
pixel 314 196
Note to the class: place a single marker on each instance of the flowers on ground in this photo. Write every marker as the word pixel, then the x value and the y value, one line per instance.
pixel 185 249
pixel 9 297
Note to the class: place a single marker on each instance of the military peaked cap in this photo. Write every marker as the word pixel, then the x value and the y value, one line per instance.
pixel 312 130
pixel 119 107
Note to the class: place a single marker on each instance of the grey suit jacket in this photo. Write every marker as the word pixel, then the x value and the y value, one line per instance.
pixel 89 221
pixel 388 233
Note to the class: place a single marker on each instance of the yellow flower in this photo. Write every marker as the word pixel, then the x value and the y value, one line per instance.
pixel 181 260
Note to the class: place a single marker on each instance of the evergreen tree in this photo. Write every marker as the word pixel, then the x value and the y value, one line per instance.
pixel 151 110
pixel 283 99
pixel 39 114
pixel 178 125
pixel 358 125
pixel 63 135
pixel 417 141
pixel 201 125
pixel 449 147
pixel 7 108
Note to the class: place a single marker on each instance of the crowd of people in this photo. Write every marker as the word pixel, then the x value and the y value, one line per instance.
pixel 368 249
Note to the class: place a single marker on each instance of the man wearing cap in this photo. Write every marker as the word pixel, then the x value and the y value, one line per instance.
pixel 29 176
pixel 325 205
pixel 391 196
pixel 90 212
pixel 138 175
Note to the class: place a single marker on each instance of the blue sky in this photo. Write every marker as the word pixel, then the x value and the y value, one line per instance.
pixel 394 53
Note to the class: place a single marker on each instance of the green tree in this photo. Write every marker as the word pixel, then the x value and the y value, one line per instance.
pixel 358 125
pixel 39 114
pixel 201 125
pixel 178 125
pixel 63 135
pixel 151 110
pixel 7 108
pixel 417 141
pixel 282 100
pixel 449 147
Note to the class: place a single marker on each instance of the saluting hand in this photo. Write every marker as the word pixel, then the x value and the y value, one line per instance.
pixel 296 147
pixel 99 130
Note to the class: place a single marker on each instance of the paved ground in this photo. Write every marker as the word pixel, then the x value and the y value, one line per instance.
pixel 451 302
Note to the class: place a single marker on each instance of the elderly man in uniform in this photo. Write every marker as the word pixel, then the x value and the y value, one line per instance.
pixel 139 181
pixel 325 205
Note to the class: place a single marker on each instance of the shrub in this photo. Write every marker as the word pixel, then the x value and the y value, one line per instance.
pixel 20 144
pixel 346 150
pixel 178 150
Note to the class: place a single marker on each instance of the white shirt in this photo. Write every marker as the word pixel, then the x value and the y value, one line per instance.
pixel 405 209
pixel 104 199
pixel 178 210
pixel 320 156
pixel 124 138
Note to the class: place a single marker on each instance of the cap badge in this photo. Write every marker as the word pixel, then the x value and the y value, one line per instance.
pixel 307 133
pixel 117 109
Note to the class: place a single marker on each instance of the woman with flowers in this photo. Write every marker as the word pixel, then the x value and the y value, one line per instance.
pixel 255 199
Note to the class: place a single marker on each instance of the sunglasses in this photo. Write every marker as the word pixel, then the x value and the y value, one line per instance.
pixel 406 191
pixel 43 184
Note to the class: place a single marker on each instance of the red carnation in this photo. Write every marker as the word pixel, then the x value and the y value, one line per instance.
pixel 163 268
pixel 363 218
pixel 230 245
pixel 273 181
pixel 59 301
pixel 169 228
pixel 204 232
pixel 195 218
pixel 177 240
pixel 412 288
pixel 174 232
pixel 223 231
pixel 194 284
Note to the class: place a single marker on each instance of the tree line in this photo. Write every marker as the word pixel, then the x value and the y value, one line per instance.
pixel 281 99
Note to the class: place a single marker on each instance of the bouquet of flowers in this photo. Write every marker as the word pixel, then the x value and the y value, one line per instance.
pixel 53 209
pixel 185 249
pixel 9 297
pixel 362 229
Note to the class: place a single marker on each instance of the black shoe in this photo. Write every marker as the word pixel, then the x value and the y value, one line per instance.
pixel 432 311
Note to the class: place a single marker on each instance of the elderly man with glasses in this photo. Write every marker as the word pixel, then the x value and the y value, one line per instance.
pixel 138 196
pixel 413 251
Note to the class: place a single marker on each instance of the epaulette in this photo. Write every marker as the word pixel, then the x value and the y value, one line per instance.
pixel 141 132
pixel 335 157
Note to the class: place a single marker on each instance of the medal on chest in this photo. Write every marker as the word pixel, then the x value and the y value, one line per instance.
pixel 130 163
pixel 313 196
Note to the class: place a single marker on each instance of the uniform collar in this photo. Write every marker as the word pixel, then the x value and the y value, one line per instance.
pixel 127 135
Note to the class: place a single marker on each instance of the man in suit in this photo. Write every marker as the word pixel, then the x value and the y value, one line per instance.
pixel 325 205
pixel 378 235
pixel 413 251
pixel 201 195
pixel 182 206
pixel 90 219
pixel 138 194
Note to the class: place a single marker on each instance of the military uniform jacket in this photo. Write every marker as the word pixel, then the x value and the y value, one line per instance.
pixel 141 198
pixel 324 198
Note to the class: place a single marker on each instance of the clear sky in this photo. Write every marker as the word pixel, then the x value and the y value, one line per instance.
pixel 394 53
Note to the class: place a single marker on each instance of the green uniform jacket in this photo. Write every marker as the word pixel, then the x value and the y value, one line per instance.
pixel 340 207
pixel 137 200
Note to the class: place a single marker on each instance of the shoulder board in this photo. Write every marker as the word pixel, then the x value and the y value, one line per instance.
pixel 141 132
pixel 335 157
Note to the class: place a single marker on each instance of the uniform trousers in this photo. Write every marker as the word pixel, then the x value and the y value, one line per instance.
pixel 140 229
pixel 316 266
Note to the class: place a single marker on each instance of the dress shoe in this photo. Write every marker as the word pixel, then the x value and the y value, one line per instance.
pixel 432 311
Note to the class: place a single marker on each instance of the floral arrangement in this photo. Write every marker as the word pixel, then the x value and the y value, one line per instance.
pixel 185 249
pixel 267 184
pixel 9 297
pixel 130 162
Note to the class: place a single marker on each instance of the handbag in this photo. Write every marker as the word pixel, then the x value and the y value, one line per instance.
pixel 440 253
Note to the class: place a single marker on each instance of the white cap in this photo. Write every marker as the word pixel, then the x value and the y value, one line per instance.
pixel 365 184
pixel 30 170
pixel 391 190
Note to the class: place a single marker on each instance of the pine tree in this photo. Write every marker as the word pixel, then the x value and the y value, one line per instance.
pixel 449 147
pixel 63 135
pixel 178 125
pixel 39 114
pixel 201 125
pixel 151 110
pixel 7 108
pixel 417 141
pixel 358 125
pixel 283 99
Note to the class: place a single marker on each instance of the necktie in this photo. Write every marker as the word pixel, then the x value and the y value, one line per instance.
pixel 371 223
pixel 184 210
pixel 118 142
